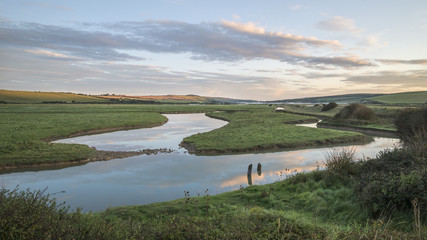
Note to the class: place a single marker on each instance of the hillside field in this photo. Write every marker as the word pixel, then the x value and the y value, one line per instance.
pixel 9 96
pixel 402 98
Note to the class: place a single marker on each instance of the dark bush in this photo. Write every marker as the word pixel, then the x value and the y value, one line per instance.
pixel 411 126
pixel 329 106
pixel 356 111
pixel 391 181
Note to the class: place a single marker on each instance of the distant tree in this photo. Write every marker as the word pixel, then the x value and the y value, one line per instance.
pixel 330 106
pixel 356 111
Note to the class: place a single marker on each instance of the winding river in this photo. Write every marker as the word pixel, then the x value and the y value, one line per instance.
pixel 145 179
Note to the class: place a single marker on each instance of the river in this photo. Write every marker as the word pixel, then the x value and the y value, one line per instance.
pixel 145 179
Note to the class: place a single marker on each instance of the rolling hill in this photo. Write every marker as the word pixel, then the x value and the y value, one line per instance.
pixel 174 99
pixel 401 98
pixel 9 96
pixel 345 98
pixel 395 98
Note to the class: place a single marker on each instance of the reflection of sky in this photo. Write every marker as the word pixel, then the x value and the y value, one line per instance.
pixel 151 178
pixel 168 135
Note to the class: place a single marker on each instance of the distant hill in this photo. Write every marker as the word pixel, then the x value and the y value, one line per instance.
pixel 345 98
pixel 9 96
pixel 399 98
pixel 175 99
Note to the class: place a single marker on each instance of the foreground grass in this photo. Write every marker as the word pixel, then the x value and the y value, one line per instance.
pixel 264 129
pixel 323 204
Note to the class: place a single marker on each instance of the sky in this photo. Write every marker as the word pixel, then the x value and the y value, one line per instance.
pixel 245 49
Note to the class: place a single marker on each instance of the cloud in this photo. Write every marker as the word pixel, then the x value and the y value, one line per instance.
pixel 413 78
pixel 339 24
pixel 295 7
pixel 23 70
pixel 396 61
pixel 218 41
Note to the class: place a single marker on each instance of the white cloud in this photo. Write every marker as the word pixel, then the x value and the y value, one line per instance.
pixel 220 41
pixel 339 24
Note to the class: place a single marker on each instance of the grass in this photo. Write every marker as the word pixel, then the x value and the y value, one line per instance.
pixel 26 128
pixel 380 198
pixel 402 98
pixel 386 115
pixel 305 206
pixel 264 129
pixel 323 204
pixel 9 96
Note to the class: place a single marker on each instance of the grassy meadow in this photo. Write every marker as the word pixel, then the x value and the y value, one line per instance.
pixel 27 129
pixel 384 115
pixel 263 130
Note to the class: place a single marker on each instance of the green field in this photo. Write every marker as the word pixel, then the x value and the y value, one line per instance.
pixel 26 129
pixel 385 115
pixel 263 130
pixel 402 98
pixel 8 96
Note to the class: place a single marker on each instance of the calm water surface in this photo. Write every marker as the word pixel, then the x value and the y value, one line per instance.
pixel 153 178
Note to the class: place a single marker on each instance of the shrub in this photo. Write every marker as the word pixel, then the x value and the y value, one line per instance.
pixel 391 181
pixel 329 106
pixel 340 165
pixel 356 111
pixel 411 126
pixel 34 215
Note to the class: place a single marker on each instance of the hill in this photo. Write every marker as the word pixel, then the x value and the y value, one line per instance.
pixel 9 96
pixel 401 98
pixel 345 98
pixel 174 99
pixel 395 98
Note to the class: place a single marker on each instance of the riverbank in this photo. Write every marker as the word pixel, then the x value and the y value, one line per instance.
pixel 99 155
pixel 361 129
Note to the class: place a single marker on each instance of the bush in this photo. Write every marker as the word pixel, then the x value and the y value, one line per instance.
pixel 34 215
pixel 356 111
pixel 340 165
pixel 411 126
pixel 329 106
pixel 392 181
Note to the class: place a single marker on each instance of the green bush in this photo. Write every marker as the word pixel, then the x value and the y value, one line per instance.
pixel 329 106
pixel 391 181
pixel 34 215
pixel 356 111
pixel 340 165
pixel 411 127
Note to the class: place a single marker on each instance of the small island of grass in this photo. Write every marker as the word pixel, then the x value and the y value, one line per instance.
pixel 265 129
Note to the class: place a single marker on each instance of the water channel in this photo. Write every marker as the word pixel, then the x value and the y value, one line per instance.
pixel 145 179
